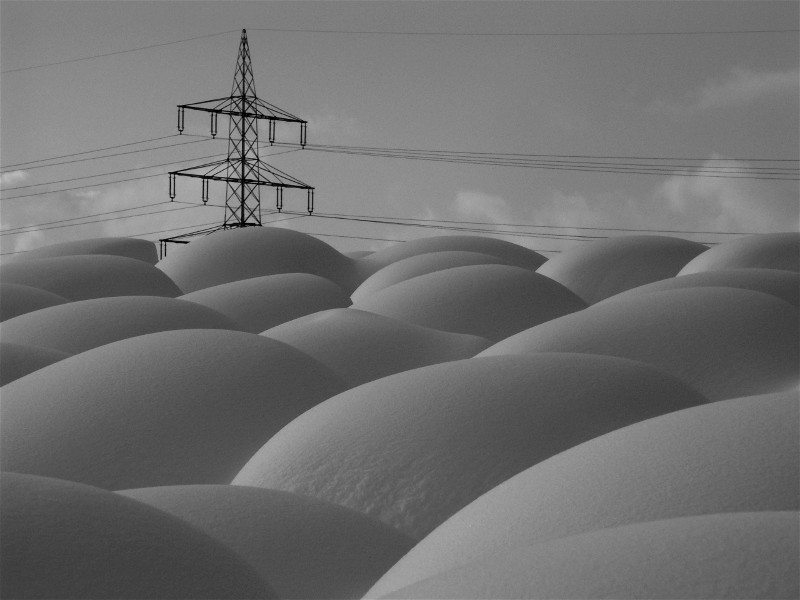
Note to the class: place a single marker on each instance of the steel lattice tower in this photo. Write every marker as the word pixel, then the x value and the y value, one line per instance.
pixel 242 170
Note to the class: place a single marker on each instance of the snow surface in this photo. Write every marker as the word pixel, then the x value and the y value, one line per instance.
pixel 259 303
pixel 735 555
pixel 421 264
pixel 17 299
pixel 764 251
pixel 491 301
pixel 176 407
pixel 606 267
pixel 361 346
pixel 304 547
pixel 117 246
pixel 90 276
pixel 86 324
pixel 413 448
pixel 739 455
pixel 726 342
pixel 17 360
pixel 66 540
pixel 469 394
pixel 781 284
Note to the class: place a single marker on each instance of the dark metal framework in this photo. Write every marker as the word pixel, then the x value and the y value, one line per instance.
pixel 242 170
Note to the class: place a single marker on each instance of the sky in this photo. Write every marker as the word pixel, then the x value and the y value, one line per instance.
pixel 400 77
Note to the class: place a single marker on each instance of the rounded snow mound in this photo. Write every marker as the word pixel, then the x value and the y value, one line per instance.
pixel 421 264
pixel 781 284
pixel 737 555
pixel 490 301
pixel 739 455
pixel 176 407
pixel 413 448
pixel 726 342
pixel 235 254
pixel 17 360
pixel 86 324
pixel 17 299
pixel 87 276
pixel 360 346
pixel 763 251
pixel 304 547
pixel 66 540
pixel 512 254
pixel 118 246
pixel 259 303
pixel 603 268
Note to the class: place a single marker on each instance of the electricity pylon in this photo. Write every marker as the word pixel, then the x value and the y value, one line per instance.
pixel 242 170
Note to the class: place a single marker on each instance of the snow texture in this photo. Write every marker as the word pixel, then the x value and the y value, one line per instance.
pixel 739 455
pixel 66 540
pixel 764 251
pixel 131 247
pixel 306 548
pixel 413 448
pixel 17 360
pixel 17 299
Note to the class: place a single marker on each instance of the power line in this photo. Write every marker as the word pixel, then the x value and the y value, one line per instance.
pixel 527 34
pixel 108 212
pixel 163 137
pixel 94 56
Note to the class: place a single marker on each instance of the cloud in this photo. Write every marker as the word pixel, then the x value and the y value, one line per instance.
pixel 484 207
pixel 13 177
pixel 738 88
pixel 330 127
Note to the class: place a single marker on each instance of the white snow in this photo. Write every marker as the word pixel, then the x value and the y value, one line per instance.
pixel 17 360
pixel 66 540
pixel 602 268
pixel 361 346
pixel 304 547
pixel 87 276
pixel 86 324
pixel 491 301
pixel 259 303
pixel 734 555
pixel 726 342
pixel 175 407
pixel 413 448
pixel 738 455
pixel 118 246
pixel 764 251
pixel 17 299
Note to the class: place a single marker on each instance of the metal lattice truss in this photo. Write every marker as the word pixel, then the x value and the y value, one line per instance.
pixel 243 171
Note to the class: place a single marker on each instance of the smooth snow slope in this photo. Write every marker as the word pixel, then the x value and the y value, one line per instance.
pixel 116 246
pixel 18 360
pixel 259 303
pixel 86 324
pixel 726 342
pixel 739 455
pixel 361 346
pixel 66 540
pixel 413 448
pixel 306 548
pixel 168 408
pixel 17 299
pixel 764 251
pixel 734 555
pixel 91 276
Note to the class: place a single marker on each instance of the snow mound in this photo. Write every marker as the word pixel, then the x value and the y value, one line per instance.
pixel 235 254
pixel 169 408
pixel 763 251
pixel 726 342
pixel 603 268
pixel 85 324
pixel 491 301
pixel 66 540
pixel 781 284
pixel 86 276
pixel 738 455
pixel 360 346
pixel 413 448
pixel 259 303
pixel 421 264
pixel 17 360
pixel 118 246
pixel 17 299
pixel 512 254
pixel 304 547
pixel 738 555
